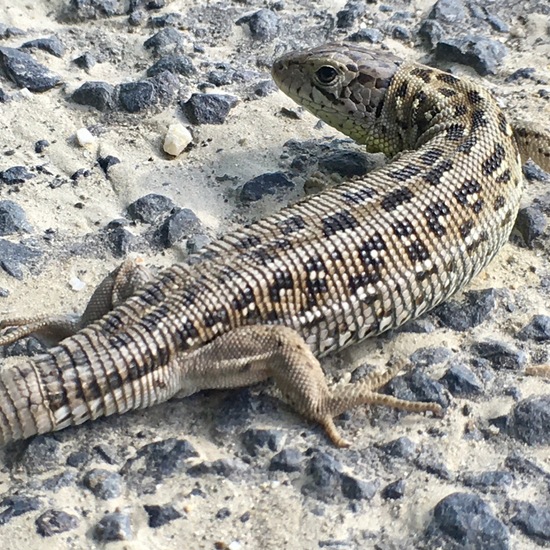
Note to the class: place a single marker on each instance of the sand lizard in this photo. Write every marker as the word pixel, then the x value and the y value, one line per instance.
pixel 331 270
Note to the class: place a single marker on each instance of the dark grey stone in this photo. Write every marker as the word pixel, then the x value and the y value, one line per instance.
pixel 166 86
pixel 448 12
pixel 176 64
pixel 17 505
pixel 104 484
pixel 119 241
pixel 533 172
pixel 26 72
pixel 42 454
pixel 531 224
pixel 10 32
pixel 288 460
pixel 166 41
pixel 195 243
pixel 524 72
pixel 99 95
pixel 16 174
pixel 149 208
pixel 460 380
pixel 12 218
pixel 401 33
pixel 324 475
pixel 265 184
pixel 533 520
pixel 160 460
pixel 499 354
pixel 346 163
pixel 428 357
pixel 418 387
pixel 497 23
pixel 353 10
pixel 136 96
pixel 114 526
pixel 85 61
pixel 223 467
pixel 209 108
pixel 178 226
pixel 255 439
pixel 106 163
pixel 394 490
pixel 167 19
pixel 83 10
pixel 357 489
pixel 52 522
pixel 494 479
pixel 161 515
pixel 432 32
pixel 41 145
pixel 58 481
pixel 78 458
pixel 402 447
pixel 465 519
pixel 369 34
pixel 483 54
pixel 529 421
pixel 538 329
pixel 263 24
pixel 475 308
pixel 51 45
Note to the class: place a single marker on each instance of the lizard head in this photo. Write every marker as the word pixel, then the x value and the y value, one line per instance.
pixel 342 84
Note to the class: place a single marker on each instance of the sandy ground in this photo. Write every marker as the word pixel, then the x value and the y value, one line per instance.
pixel 206 179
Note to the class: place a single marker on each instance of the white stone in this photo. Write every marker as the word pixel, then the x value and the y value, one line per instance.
pixel 84 137
pixel 177 138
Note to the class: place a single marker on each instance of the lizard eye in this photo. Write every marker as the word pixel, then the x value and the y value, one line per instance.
pixel 326 74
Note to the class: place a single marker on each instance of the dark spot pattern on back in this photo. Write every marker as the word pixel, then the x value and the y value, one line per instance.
pixel 340 221
pixel 392 200
pixel 493 163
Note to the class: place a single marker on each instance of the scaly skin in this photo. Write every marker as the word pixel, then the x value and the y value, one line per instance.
pixel 324 273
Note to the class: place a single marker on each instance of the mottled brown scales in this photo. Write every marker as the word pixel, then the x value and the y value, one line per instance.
pixel 268 300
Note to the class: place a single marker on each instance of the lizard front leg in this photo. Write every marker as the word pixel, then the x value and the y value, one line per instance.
pixel 250 354
pixel 117 287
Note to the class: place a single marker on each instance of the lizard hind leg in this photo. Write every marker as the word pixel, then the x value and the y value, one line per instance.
pixel 252 353
pixel 119 285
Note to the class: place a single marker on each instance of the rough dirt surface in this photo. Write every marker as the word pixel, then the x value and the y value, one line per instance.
pixel 239 469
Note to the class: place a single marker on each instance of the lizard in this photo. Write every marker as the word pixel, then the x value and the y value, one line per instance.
pixel 269 300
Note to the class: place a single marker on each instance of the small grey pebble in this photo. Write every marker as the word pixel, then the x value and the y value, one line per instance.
pixel 255 439
pixel 12 219
pixel 95 94
pixel 160 515
pixel 114 526
pixel 499 354
pixel 402 447
pixel 149 208
pixel 394 490
pixel 263 24
pixel 26 72
pixel 209 108
pixel 529 421
pixel 538 329
pixel 52 522
pixel 357 489
pixel 17 505
pixel 104 484
pixel 288 460
pixel 533 520
pixel 467 520
pixel 85 61
pixel 16 174
pixel 265 184
pixel 51 45
pixel 461 381
pixel 176 64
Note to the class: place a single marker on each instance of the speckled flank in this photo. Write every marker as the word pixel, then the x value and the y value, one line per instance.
pixel 324 273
